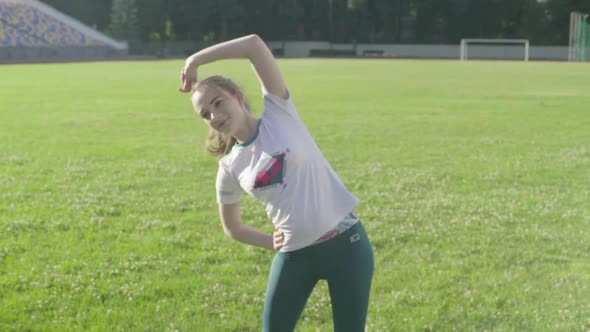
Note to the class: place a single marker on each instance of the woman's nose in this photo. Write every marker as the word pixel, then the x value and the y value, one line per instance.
pixel 215 117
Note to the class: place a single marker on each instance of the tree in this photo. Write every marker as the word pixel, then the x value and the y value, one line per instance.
pixel 124 23
pixel 152 16
pixel 558 18
pixel 543 22
pixel 91 12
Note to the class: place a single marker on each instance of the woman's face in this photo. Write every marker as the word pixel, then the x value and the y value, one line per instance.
pixel 219 109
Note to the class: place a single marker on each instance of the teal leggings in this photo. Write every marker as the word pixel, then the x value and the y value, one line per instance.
pixel 345 261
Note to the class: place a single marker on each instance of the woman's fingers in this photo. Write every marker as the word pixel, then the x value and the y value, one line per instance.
pixel 186 79
pixel 182 81
pixel 278 238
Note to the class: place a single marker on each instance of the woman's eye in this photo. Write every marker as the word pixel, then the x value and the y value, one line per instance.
pixel 217 103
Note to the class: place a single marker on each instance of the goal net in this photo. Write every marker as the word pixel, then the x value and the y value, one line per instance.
pixel 579 41
pixel 506 49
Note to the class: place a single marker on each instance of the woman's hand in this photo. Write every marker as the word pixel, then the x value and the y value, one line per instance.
pixel 250 47
pixel 277 239
pixel 188 76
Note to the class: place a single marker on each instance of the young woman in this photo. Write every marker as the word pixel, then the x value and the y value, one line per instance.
pixel 275 160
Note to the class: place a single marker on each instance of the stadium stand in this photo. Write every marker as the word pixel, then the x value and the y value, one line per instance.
pixel 26 26
pixel 27 21
pixel 10 36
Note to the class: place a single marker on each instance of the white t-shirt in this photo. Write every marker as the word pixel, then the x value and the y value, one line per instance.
pixel 284 169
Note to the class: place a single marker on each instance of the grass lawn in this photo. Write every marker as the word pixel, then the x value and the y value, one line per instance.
pixel 474 180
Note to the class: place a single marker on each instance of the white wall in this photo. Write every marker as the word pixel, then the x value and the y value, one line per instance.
pixel 296 49
pixel 549 52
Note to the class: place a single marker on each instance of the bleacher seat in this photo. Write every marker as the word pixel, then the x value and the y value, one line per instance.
pixel 24 25
pixel 12 37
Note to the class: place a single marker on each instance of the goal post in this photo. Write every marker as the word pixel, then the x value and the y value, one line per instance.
pixel 465 42
pixel 579 39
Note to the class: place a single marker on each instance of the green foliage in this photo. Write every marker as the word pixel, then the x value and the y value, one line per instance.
pixel 124 24
pixel 473 178
pixel 154 37
pixel 92 12
pixel 168 30
pixel 380 21
pixel 209 38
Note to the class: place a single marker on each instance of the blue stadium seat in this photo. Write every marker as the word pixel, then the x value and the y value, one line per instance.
pixel 24 25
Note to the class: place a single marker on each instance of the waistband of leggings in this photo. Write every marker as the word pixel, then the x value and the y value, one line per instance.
pixel 328 244
pixel 350 220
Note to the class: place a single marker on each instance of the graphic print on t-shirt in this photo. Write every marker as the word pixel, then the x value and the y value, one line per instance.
pixel 271 171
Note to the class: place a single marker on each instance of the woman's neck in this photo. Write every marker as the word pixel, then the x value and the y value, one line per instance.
pixel 248 130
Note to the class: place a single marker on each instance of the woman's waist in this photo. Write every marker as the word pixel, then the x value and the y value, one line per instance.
pixel 350 220
pixel 304 234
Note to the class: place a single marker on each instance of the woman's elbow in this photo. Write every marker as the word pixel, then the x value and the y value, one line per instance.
pixel 232 232
pixel 255 38
pixel 257 42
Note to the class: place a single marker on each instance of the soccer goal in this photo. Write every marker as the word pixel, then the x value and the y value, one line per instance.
pixel 579 41
pixel 494 49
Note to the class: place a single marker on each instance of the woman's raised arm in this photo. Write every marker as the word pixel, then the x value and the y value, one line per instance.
pixel 251 47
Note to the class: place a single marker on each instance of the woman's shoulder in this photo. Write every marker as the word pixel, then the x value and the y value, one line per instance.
pixel 238 153
pixel 226 163
pixel 272 102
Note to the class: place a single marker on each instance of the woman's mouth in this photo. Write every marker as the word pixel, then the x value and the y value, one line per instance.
pixel 222 124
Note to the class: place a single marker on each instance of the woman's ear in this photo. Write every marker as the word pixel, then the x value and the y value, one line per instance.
pixel 240 97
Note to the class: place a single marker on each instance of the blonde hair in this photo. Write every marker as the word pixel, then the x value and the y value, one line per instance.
pixel 219 144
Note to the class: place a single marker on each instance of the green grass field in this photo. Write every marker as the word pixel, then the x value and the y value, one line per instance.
pixel 474 179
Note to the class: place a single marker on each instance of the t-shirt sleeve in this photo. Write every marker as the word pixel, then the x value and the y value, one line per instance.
pixel 274 102
pixel 280 113
pixel 227 187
